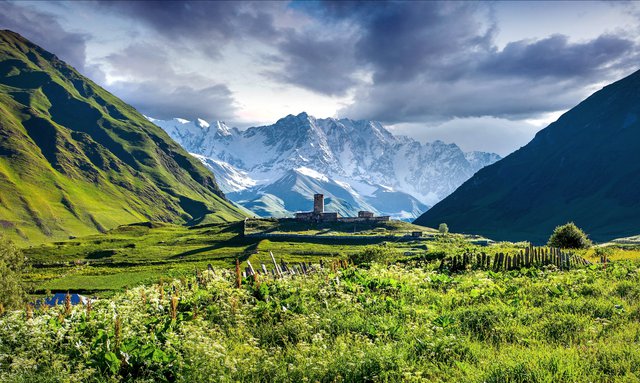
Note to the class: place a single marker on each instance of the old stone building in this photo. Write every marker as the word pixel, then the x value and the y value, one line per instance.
pixel 319 215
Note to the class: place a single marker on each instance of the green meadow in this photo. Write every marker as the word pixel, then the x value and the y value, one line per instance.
pixel 142 253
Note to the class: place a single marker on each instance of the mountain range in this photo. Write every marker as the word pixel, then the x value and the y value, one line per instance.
pixel 76 160
pixel 583 168
pixel 274 170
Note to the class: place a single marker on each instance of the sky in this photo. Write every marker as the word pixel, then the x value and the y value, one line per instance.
pixel 485 75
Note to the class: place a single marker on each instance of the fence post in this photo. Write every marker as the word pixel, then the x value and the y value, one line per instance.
pixel 275 264
pixel 238 277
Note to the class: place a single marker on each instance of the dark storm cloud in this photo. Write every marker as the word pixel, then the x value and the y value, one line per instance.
pixel 43 29
pixel 156 100
pixel 524 79
pixel 438 60
pixel 423 100
pixel 555 56
pixel 159 91
pixel 205 25
pixel 322 66
pixel 410 39
pixel 400 40
pixel 395 41
pixel 404 61
pixel 145 61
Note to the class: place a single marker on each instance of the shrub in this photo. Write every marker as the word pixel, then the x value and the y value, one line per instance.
pixel 12 264
pixel 605 252
pixel 569 236
pixel 443 228
pixel 379 254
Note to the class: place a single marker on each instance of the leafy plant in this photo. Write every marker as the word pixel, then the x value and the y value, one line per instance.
pixel 12 267
pixel 370 254
pixel 569 236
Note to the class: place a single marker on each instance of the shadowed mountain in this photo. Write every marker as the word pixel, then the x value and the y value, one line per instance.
pixel 583 168
pixel 75 159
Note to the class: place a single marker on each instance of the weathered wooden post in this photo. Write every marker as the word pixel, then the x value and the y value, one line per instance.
pixel 238 276
pixel 252 271
pixel 275 264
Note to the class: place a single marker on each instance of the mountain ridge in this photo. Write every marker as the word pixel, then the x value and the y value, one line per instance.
pixel 582 168
pixel 360 153
pixel 76 160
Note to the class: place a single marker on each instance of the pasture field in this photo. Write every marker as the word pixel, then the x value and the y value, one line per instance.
pixel 130 255
pixel 143 253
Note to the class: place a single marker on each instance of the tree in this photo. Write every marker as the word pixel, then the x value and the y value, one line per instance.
pixel 12 265
pixel 443 228
pixel 569 236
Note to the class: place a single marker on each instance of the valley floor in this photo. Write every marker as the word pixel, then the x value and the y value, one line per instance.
pixel 143 253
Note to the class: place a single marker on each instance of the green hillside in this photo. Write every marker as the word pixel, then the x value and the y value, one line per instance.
pixel 76 160
pixel 582 168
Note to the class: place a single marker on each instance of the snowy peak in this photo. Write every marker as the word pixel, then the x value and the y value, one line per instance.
pixel 356 155
pixel 479 160
pixel 311 173
pixel 202 123
pixel 222 129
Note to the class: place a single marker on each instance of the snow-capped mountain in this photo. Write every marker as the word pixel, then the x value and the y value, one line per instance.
pixel 360 163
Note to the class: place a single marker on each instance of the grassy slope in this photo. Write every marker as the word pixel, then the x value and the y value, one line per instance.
pixel 76 160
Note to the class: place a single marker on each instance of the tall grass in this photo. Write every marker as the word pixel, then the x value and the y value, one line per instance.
pixel 379 324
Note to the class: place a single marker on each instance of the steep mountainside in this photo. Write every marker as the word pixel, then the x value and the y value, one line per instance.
pixel 362 158
pixel 75 160
pixel 583 168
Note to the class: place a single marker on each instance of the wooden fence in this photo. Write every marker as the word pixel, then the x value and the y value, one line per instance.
pixel 529 257
pixel 277 269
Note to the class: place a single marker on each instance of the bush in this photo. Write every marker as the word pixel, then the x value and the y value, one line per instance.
pixel 12 265
pixel 443 228
pixel 379 254
pixel 569 236
pixel 605 252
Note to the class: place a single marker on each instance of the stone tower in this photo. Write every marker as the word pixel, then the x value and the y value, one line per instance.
pixel 318 203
